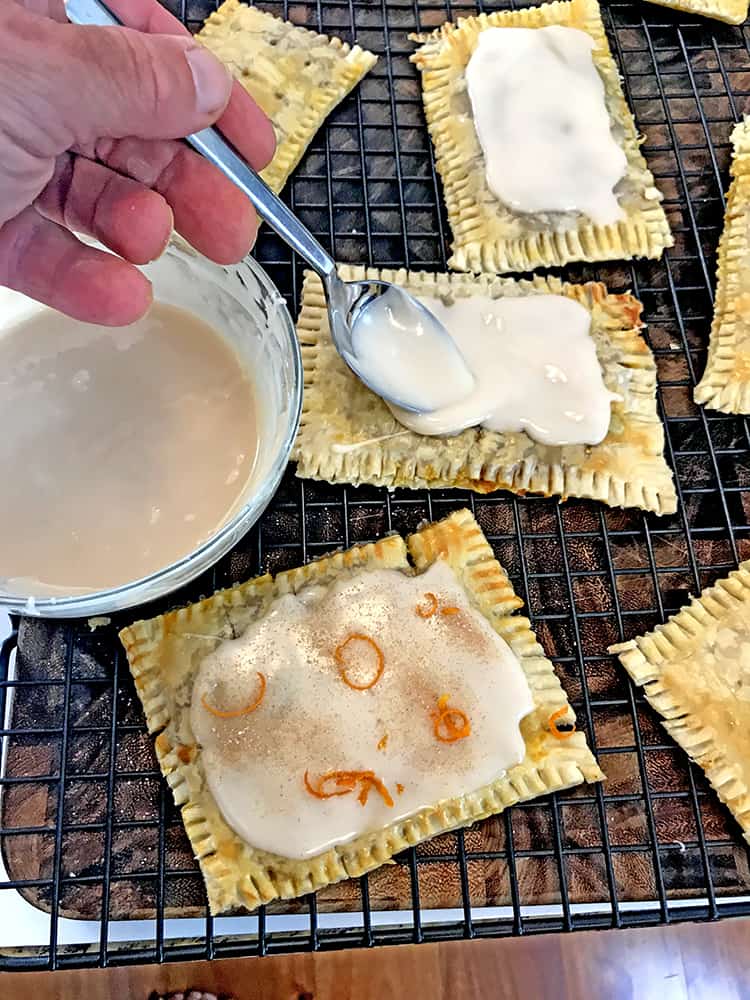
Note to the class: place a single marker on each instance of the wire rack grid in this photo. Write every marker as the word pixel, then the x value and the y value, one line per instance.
pixel 88 827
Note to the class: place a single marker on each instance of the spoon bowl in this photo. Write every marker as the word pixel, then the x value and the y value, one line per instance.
pixel 395 345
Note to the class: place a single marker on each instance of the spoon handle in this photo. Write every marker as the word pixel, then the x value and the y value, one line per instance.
pixel 269 207
pixel 211 144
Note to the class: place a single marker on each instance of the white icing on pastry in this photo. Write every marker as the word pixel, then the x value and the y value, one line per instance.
pixel 535 366
pixel 340 448
pixel 310 720
pixel 542 122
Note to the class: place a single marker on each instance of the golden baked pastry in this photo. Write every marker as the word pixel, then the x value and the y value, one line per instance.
pixel 348 435
pixel 165 657
pixel 295 75
pixel 695 671
pixel 726 381
pixel 731 11
pixel 489 236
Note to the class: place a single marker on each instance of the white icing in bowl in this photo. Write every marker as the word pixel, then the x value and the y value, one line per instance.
pixel 240 303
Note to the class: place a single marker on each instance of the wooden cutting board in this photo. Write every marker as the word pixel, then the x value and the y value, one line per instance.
pixel 99 685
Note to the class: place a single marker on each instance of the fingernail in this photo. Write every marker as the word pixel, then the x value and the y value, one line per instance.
pixel 213 83
pixel 170 230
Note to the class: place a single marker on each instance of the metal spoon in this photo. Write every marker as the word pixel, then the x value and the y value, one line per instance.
pixel 348 301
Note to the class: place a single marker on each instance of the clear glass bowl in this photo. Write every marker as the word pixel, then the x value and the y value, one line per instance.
pixel 241 303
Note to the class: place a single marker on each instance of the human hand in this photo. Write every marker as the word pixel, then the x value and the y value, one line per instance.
pixel 89 119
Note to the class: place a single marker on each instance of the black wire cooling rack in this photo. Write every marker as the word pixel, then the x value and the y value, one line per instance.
pixel 88 826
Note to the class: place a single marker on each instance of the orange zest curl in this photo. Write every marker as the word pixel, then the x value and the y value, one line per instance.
pixel 345 782
pixel 338 656
pixel 552 723
pixel 369 781
pixel 427 610
pixel 450 724
pixel 383 741
pixel 431 605
pixel 237 712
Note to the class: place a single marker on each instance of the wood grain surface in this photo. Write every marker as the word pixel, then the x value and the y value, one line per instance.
pixel 98 688
pixel 686 962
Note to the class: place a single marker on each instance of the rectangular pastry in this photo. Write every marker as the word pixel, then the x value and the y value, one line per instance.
pixel 348 435
pixel 307 741
pixel 726 381
pixel 731 11
pixel 537 149
pixel 295 75
pixel 695 671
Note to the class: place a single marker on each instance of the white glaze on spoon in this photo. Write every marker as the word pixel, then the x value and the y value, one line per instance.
pixel 400 351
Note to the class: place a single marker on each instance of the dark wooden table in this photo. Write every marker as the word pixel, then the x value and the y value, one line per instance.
pixel 692 961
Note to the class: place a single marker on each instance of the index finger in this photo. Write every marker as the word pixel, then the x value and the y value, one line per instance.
pixel 243 122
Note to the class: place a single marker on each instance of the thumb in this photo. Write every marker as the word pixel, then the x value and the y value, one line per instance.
pixel 115 82
pixel 147 86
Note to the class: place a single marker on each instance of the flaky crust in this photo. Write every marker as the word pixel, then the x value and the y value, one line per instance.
pixel 691 688
pixel 295 75
pixel 731 11
pixel 165 655
pixel 726 381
